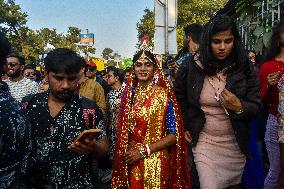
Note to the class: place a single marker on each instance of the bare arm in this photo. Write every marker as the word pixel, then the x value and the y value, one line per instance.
pixel 134 155
pixel 165 142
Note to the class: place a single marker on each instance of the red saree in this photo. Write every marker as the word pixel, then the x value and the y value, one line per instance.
pixel 142 120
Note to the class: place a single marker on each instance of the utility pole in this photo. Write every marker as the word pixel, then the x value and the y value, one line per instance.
pixel 165 27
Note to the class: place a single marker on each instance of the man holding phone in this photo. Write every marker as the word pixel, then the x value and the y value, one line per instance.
pixel 58 116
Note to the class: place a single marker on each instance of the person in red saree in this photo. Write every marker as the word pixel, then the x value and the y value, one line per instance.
pixel 150 149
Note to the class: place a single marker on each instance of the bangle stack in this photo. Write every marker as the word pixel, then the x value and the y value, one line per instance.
pixel 148 150
pixel 145 151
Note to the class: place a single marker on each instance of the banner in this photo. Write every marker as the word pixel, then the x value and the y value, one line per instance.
pixel 87 38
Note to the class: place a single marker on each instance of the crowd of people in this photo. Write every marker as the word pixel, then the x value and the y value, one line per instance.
pixel 191 121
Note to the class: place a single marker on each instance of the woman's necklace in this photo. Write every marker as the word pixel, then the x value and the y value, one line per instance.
pixel 142 93
pixel 217 84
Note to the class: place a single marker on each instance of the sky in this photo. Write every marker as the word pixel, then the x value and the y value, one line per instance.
pixel 113 22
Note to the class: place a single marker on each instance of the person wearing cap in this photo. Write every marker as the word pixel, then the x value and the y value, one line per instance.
pixel 91 72
pixel 90 88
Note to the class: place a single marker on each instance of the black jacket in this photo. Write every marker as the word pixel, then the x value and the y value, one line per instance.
pixel 242 82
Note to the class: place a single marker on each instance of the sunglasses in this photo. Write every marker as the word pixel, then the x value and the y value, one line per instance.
pixel 12 64
pixel 30 74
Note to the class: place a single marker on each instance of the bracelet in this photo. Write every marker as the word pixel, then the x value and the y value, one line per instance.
pixel 239 112
pixel 142 152
pixel 148 150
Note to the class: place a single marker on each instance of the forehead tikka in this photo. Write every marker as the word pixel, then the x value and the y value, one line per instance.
pixel 144 58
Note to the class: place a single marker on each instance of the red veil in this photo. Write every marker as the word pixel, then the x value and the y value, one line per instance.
pixel 179 176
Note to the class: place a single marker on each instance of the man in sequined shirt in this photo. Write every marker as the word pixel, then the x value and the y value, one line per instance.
pixel 14 132
pixel 57 117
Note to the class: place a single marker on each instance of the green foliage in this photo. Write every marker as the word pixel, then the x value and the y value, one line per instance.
pixel 126 63
pixel 195 11
pixel 30 43
pixel 189 12
pixel 258 27
pixel 107 53
pixel 146 26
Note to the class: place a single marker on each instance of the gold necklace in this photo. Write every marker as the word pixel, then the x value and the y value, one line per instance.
pixel 142 93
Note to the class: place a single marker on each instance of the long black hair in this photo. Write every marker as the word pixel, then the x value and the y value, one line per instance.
pixel 5 49
pixel 238 57
pixel 274 45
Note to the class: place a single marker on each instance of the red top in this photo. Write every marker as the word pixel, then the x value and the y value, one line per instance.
pixel 270 97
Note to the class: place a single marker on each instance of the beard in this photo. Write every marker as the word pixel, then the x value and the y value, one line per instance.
pixel 13 74
pixel 65 95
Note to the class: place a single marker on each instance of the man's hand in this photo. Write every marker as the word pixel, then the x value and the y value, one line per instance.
pixel 88 147
pixel 131 156
pixel 230 101
pixel 188 136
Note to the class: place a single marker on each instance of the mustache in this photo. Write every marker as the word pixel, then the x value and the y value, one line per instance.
pixel 65 91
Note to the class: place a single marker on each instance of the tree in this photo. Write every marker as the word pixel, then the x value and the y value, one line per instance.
pixel 255 23
pixel 189 12
pixel 30 43
pixel 11 17
pixel 146 26
pixel 107 53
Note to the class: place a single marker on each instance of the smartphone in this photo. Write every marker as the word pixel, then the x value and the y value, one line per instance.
pixel 90 133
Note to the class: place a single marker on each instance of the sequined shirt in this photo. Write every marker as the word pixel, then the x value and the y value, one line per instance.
pixel 53 165
pixel 15 143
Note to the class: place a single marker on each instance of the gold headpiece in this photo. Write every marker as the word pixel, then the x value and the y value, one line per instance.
pixel 143 57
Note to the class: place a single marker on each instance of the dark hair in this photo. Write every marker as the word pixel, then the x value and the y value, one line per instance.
pixel 63 59
pixel 251 51
pixel 117 73
pixel 274 48
pixel 29 67
pixel 238 57
pixel 21 59
pixel 128 69
pixel 150 55
pixel 194 31
pixel 5 49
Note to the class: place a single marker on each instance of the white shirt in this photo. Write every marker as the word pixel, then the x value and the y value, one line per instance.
pixel 22 88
